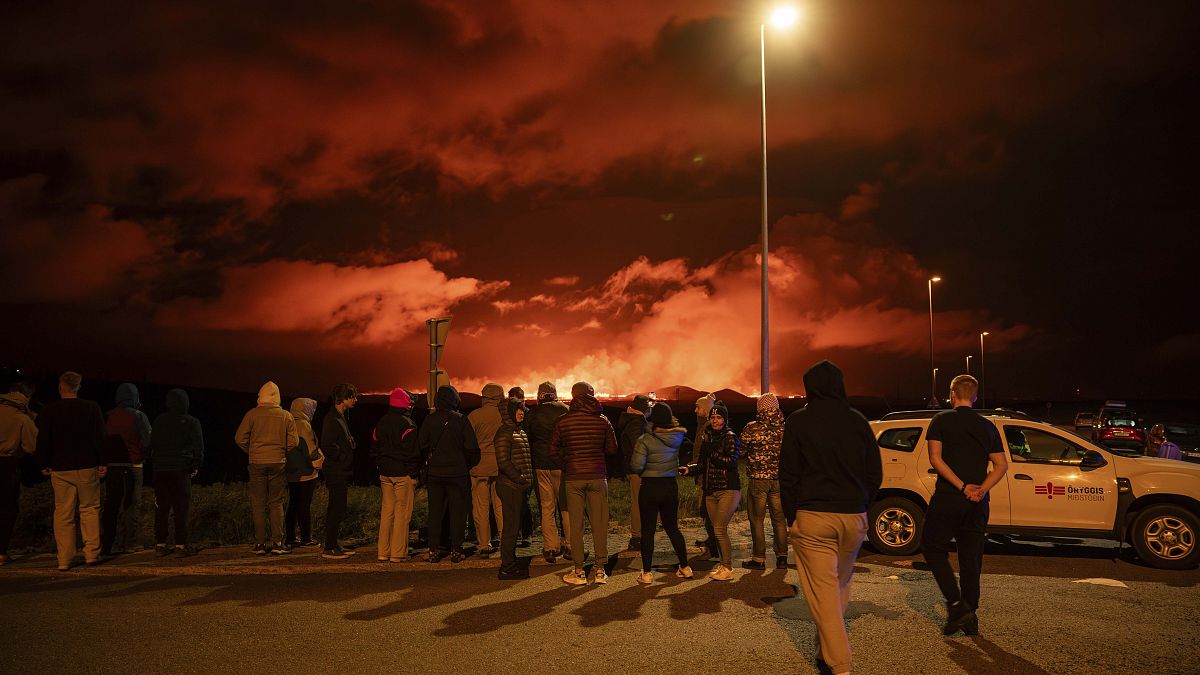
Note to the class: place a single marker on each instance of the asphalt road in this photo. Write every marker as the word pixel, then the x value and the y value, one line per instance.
pixel 1046 608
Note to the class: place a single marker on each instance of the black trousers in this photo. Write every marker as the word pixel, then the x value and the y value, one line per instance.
pixel 711 542
pixel 299 510
pixel 172 493
pixel 334 512
pixel 511 501
pixel 120 493
pixel 952 516
pixel 10 499
pixel 659 497
pixel 449 501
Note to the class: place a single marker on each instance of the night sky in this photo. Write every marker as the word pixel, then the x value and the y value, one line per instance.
pixel 221 193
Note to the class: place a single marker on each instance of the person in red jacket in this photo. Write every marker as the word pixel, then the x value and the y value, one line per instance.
pixel 581 439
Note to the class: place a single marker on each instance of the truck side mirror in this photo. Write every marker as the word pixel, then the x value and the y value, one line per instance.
pixel 1092 460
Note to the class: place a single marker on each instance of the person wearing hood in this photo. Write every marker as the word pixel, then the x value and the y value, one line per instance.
pixel 176 452
pixel 829 471
pixel 338 445
pixel 526 531
pixel 762 439
pixel 655 459
pixel 303 466
pixel 486 421
pixel 581 440
pixel 448 447
pixel 716 467
pixel 128 434
pixel 515 464
pixel 18 439
pixel 630 427
pixel 539 425
pixel 266 434
pixel 399 462
pixel 704 404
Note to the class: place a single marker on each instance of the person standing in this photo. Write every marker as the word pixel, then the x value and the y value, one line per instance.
pixel 829 471
pixel 656 460
pixel 708 545
pixel 762 439
pixel 337 444
pixel 717 469
pixel 176 451
pixel 399 462
pixel 266 434
pixel 630 427
pixel 526 531
pixel 516 478
pixel 70 434
pixel 128 431
pixel 305 462
pixel 448 446
pixel 961 443
pixel 18 438
pixel 581 439
pixel 1159 446
pixel 486 422
pixel 548 469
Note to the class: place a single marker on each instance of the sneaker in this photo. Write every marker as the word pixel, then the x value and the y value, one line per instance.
pixel 98 561
pixel 635 544
pixel 435 556
pixel 185 551
pixel 485 551
pixel 457 557
pixel 280 549
pixel 260 549
pixel 398 560
pixel 64 568
pixel 548 556
pixel 576 577
pixel 721 573
pixel 645 578
pixel 512 574
pixel 958 617
pixel 307 543
pixel 566 554
pixel 334 554
pixel 754 565
pixel 162 551
pixel 684 572
pixel 524 543
pixel 291 543
pixel 781 562
pixel 600 576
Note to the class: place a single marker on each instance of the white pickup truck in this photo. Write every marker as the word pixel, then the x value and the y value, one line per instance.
pixel 1057 484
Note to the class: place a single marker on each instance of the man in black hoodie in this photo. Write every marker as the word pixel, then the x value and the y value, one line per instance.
pixel 177 450
pixel 448 445
pixel 829 471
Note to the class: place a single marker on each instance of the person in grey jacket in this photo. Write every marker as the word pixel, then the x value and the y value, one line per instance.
pixel 656 459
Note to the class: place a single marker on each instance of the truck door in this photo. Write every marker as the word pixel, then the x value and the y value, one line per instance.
pixel 1047 486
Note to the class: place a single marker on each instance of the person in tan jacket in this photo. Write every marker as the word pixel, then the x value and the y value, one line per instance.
pixel 486 421
pixel 266 434
pixel 18 437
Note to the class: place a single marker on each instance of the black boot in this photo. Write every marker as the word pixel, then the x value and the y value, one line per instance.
pixel 958 616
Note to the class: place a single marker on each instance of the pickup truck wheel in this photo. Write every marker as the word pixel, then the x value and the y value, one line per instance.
pixel 895 525
pixel 1164 536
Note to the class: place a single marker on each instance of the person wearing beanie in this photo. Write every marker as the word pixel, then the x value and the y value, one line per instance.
pixel 581 439
pixel 486 421
pixel 398 460
pixel 526 531
pixel 304 461
pixel 630 427
pixel 339 445
pixel 266 434
pixel 539 425
pixel 717 470
pixel 762 439
pixel 656 460
pixel 128 433
pixel 516 478
pixel 447 445
pixel 708 545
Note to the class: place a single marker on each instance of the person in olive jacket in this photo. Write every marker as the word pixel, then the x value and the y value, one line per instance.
pixel 516 478
pixel 448 446
pixel 337 443
pixel 399 462
pixel 719 479
pixel 177 451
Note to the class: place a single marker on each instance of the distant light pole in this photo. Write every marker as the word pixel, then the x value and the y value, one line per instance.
pixel 782 17
pixel 933 385
pixel 968 364
pixel 982 373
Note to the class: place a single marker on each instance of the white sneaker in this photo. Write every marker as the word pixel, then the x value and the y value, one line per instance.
pixel 684 572
pixel 645 578
pixel 721 573
pixel 601 577
pixel 575 578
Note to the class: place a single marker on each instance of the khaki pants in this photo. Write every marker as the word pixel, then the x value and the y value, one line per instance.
pixel 721 504
pixel 635 512
pixel 483 497
pixel 549 483
pixel 826 545
pixel 592 495
pixel 394 516
pixel 764 497
pixel 80 488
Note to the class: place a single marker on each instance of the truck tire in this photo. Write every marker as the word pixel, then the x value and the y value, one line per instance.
pixel 895 526
pixel 1165 536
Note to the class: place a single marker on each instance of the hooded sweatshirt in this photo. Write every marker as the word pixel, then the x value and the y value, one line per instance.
pixel 829 461
pixel 486 422
pixel 446 440
pixel 395 448
pixel 582 437
pixel 18 432
pixel 512 449
pixel 177 440
pixel 762 439
pixel 338 445
pixel 130 425
pixel 540 425
pixel 267 431
pixel 303 410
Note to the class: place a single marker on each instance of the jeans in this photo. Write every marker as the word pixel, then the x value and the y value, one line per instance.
pixel 448 500
pixel 121 518
pixel 395 514
pixel 592 495
pixel 172 492
pixel 721 505
pixel 268 483
pixel 956 516
pixel 10 499
pixel 549 484
pixel 826 545
pixel 299 510
pixel 660 496
pixel 764 496
pixel 79 488
pixel 335 511
pixel 511 499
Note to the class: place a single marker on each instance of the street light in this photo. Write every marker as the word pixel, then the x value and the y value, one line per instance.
pixel 968 364
pixel 982 400
pixel 782 17
pixel 933 386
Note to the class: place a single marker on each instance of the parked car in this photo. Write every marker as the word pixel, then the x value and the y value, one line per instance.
pixel 1187 437
pixel 1120 430
pixel 1057 484
pixel 1084 422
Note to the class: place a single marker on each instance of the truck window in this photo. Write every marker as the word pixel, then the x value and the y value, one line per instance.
pixel 1034 445
pixel 902 439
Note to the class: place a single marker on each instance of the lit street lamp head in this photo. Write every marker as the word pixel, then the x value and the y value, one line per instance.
pixel 784 17
pixel 934 280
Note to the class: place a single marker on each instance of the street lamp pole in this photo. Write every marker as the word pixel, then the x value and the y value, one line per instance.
pixel 765 359
pixel 933 384
pixel 982 372
pixel 968 364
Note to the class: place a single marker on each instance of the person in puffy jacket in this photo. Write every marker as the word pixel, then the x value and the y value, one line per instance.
pixel 486 421
pixel 399 462
pixel 581 440
pixel 338 445
pixel 516 478
pixel 655 459
pixel 630 427
pixel 539 424
pixel 761 440
pixel 266 433
pixel 302 482
pixel 718 476
pixel 448 446
pixel 176 451
pixel 128 433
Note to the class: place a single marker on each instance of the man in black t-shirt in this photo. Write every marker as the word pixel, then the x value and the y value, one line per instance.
pixel 961 443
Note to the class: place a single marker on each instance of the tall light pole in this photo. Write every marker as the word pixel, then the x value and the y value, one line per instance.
pixel 782 17
pixel 933 385
pixel 982 372
pixel 968 364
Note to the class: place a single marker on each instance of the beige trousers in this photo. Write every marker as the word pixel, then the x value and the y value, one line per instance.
pixel 483 497
pixel 826 545
pixel 635 512
pixel 549 483
pixel 76 489
pixel 395 515
pixel 592 496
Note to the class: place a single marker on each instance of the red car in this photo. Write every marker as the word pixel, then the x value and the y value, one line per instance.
pixel 1119 429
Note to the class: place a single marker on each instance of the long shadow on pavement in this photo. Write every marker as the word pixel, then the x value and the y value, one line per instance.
pixel 989 658
pixel 488 618
pixel 27 584
pixel 427 596
pixel 261 590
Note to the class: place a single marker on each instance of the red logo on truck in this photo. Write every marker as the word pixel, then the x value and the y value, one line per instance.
pixel 1049 489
